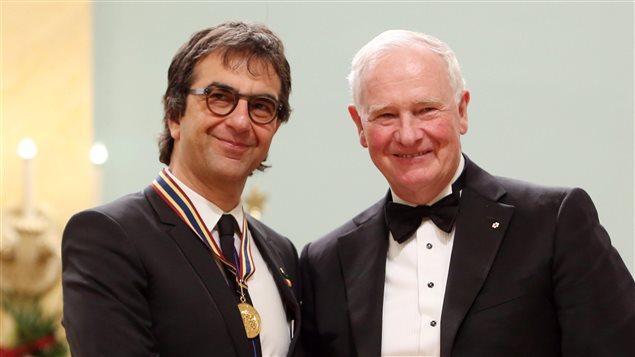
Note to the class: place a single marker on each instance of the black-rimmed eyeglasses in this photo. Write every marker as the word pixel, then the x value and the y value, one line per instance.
pixel 222 100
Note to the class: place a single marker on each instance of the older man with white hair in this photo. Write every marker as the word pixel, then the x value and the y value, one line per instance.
pixel 454 261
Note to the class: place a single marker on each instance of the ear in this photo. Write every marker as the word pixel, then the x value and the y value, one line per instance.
pixel 175 128
pixel 463 103
pixel 358 122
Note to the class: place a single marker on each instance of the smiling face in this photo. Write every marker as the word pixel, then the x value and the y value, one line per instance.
pixel 213 152
pixel 411 124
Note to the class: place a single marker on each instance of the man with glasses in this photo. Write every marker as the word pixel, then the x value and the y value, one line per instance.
pixel 180 269
pixel 454 261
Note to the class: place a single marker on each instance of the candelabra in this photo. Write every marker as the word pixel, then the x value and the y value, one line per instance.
pixel 30 268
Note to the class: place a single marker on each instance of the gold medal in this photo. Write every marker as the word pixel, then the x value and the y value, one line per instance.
pixel 251 319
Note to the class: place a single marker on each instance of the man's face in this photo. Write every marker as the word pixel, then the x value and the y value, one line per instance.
pixel 215 150
pixel 410 122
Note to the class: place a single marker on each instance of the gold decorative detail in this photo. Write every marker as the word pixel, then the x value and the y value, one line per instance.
pixel 30 263
pixel 255 202
pixel 30 268
pixel 251 319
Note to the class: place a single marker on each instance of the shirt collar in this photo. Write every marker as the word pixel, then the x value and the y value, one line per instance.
pixel 209 212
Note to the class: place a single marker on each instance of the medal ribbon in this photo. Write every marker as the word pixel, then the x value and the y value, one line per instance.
pixel 174 196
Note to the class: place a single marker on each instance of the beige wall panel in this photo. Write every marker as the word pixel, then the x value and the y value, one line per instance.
pixel 47 95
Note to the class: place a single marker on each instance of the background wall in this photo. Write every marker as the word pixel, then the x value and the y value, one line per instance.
pixel 46 83
pixel 551 83
pixel 46 95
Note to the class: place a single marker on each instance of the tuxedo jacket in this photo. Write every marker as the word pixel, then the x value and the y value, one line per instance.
pixel 138 282
pixel 532 273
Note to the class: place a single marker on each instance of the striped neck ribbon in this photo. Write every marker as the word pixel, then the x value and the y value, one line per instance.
pixel 174 196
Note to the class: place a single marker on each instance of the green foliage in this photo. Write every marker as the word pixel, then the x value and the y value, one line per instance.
pixel 34 331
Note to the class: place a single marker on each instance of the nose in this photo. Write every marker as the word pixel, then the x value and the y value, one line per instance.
pixel 408 131
pixel 239 117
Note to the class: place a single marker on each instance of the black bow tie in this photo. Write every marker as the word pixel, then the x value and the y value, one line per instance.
pixel 404 220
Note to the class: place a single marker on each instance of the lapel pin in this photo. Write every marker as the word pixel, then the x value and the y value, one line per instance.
pixel 495 225
pixel 286 278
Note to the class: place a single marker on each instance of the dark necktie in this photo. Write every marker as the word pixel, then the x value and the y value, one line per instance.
pixel 226 229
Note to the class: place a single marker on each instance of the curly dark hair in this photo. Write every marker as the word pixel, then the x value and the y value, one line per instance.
pixel 252 44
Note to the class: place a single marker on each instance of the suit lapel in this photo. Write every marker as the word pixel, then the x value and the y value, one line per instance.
pixel 480 227
pixel 204 264
pixel 362 256
pixel 276 265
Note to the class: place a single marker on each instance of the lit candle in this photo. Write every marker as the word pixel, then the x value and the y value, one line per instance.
pixel 27 151
pixel 98 156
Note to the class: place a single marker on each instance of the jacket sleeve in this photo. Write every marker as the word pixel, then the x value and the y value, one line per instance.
pixel 593 290
pixel 104 285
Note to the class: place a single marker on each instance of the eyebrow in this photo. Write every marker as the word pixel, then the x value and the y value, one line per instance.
pixel 379 107
pixel 227 86
pixel 428 101
pixel 376 108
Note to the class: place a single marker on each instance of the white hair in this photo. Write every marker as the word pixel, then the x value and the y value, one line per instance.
pixel 391 39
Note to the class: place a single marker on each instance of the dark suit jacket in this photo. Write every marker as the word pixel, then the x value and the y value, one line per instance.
pixel 138 282
pixel 544 281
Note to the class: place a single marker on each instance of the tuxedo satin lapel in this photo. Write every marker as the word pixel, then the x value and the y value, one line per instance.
pixel 480 227
pixel 275 263
pixel 362 256
pixel 204 264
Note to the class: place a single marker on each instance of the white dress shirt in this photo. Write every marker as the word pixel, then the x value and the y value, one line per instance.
pixel 416 276
pixel 274 334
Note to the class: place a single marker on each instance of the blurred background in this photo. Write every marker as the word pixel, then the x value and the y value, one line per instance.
pixel 552 102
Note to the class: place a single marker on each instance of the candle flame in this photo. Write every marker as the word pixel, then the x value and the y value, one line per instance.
pixel 98 153
pixel 27 148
